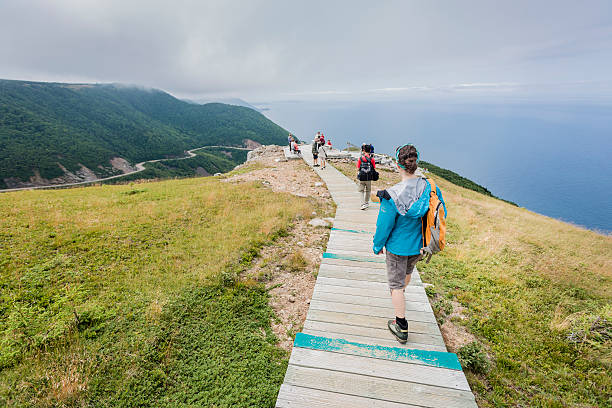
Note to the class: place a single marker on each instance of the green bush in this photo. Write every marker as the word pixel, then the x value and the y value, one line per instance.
pixel 474 358
pixel 459 180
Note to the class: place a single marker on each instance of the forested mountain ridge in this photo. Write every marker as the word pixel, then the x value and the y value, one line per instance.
pixel 48 129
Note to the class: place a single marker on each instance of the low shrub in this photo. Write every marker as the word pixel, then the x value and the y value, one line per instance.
pixel 474 358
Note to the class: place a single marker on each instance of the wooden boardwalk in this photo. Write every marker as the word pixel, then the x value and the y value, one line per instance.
pixel 345 356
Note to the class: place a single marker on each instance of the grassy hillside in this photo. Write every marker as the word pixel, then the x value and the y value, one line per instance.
pixel 126 295
pixel 43 124
pixel 208 161
pixel 535 292
pixel 458 179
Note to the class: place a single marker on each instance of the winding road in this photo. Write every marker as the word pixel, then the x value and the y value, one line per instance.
pixel 139 167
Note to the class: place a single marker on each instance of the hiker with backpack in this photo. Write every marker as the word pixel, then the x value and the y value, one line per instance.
pixel 410 225
pixel 315 151
pixel 366 172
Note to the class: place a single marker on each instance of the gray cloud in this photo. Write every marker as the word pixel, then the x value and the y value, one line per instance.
pixel 272 49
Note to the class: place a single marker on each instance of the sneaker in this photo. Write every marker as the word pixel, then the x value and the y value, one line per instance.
pixel 365 206
pixel 400 335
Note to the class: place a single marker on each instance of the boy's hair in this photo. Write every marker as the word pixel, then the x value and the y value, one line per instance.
pixel 365 148
pixel 405 153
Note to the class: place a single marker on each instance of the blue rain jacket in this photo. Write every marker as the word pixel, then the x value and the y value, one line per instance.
pixel 401 234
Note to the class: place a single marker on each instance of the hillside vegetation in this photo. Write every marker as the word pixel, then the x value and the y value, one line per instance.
pixel 43 124
pixel 534 291
pixel 127 295
pixel 207 161
pixel 458 179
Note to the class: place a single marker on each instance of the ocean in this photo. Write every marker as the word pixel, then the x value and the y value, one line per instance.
pixel 554 159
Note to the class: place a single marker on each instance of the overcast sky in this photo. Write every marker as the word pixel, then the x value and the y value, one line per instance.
pixel 274 50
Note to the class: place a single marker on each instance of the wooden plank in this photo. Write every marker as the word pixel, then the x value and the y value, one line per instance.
pixel 411 295
pixel 378 388
pixel 351 210
pixel 397 370
pixel 369 301
pixel 362 243
pixel 350 236
pixel 357 215
pixel 343 236
pixel 338 285
pixel 291 396
pixel 342 262
pixel 367 321
pixel 354 228
pixel 337 246
pixel 349 283
pixel 396 352
pixel 371 332
pixel 360 234
pixel 387 312
pixel 357 256
pixel 355 267
pixel 368 217
pixel 363 274
pixel 376 341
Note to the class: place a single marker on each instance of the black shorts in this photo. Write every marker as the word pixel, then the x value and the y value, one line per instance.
pixel 315 156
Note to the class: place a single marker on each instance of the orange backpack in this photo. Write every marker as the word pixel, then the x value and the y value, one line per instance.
pixel 433 225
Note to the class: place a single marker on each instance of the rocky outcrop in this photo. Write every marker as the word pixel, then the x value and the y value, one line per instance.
pixel 264 150
pixel 251 144
pixel 122 165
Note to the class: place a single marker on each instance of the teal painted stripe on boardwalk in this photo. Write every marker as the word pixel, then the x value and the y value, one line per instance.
pixel 354 231
pixel 426 357
pixel 329 255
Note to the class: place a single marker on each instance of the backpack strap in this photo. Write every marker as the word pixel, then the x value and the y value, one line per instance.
pixel 433 186
pixel 423 232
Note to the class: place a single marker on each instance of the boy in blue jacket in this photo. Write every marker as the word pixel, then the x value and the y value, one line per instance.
pixel 398 229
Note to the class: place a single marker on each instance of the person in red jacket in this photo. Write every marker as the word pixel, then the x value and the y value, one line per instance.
pixel 365 174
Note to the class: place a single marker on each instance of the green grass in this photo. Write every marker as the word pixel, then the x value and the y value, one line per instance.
pixel 128 295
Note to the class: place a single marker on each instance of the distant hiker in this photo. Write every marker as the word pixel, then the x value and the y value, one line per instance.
pixel 322 139
pixel 290 139
pixel 399 230
pixel 365 174
pixel 329 143
pixel 322 154
pixel 315 151
pixel 296 148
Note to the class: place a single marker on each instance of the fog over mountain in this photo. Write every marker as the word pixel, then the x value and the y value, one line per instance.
pixel 265 50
